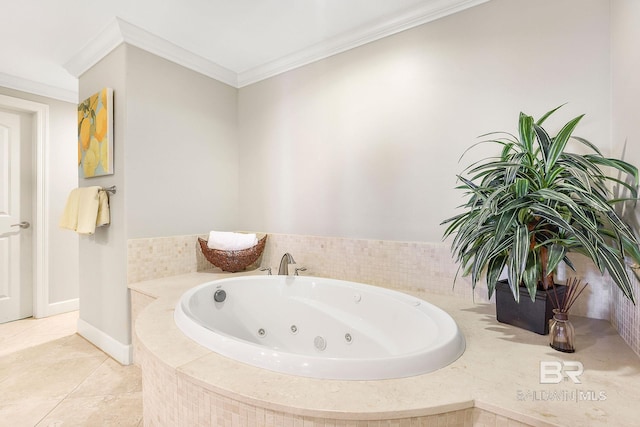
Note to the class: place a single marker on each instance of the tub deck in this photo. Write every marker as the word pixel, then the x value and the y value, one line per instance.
pixel 496 380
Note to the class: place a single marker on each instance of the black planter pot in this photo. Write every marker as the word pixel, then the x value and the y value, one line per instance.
pixel 527 314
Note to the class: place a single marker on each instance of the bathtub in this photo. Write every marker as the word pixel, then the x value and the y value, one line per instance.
pixel 320 328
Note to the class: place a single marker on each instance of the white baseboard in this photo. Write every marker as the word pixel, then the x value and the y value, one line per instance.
pixel 122 353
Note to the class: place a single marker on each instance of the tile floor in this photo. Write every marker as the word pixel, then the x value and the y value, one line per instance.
pixel 50 376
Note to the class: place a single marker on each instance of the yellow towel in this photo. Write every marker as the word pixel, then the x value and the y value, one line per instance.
pixel 86 208
pixel 69 219
pixel 103 216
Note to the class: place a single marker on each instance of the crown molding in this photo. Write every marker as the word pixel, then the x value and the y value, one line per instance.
pixel 352 39
pixel 95 49
pixel 120 31
pixel 145 40
pixel 37 88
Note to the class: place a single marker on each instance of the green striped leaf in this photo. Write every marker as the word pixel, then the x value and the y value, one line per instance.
pixel 521 187
pixel 556 196
pixel 531 275
pixel 560 142
pixel 547 114
pixel 494 270
pixel 525 128
pixel 588 144
pixel 505 223
pixel 518 258
pixel 615 266
pixel 481 260
pixel 555 254
pixel 544 140
pixel 550 215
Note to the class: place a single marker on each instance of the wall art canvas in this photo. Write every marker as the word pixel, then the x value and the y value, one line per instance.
pixel 95 135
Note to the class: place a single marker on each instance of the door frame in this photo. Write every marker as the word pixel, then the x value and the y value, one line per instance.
pixel 40 145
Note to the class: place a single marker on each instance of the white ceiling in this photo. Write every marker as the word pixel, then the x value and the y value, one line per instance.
pixel 46 44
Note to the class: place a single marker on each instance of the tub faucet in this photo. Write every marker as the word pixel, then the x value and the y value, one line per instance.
pixel 284 264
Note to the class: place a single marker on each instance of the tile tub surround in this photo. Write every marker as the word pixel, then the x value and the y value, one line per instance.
pixel 157 257
pixel 498 377
pixel 422 266
pixel 625 316
pixel 379 262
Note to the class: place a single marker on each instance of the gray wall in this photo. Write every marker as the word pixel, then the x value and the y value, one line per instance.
pixel 182 156
pixel 104 298
pixel 366 143
pixel 176 171
pixel 625 58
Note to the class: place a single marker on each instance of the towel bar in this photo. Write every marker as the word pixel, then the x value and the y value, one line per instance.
pixel 111 189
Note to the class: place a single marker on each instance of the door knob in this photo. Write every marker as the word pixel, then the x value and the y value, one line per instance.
pixel 23 225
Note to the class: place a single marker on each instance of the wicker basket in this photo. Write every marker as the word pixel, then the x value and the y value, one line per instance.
pixel 233 261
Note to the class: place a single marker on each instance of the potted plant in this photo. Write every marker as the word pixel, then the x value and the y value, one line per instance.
pixel 529 207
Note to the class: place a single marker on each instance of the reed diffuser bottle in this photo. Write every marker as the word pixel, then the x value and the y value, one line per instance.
pixel 561 332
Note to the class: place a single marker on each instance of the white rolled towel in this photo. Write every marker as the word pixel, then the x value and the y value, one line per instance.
pixel 230 241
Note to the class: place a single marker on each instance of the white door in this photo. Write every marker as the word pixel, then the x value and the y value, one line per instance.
pixel 16 289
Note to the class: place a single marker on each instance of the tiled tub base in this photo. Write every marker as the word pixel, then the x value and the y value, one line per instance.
pixel 171 398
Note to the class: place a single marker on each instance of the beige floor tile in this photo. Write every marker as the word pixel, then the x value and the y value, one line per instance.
pixel 10 329
pixel 69 347
pixel 26 413
pixel 42 356
pixel 51 376
pixel 41 379
pixel 110 378
pixel 27 333
pixel 123 410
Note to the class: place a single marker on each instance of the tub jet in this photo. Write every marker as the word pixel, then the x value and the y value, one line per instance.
pixel 220 295
pixel 320 343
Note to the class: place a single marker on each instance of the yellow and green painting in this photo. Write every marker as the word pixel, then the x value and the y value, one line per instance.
pixel 95 135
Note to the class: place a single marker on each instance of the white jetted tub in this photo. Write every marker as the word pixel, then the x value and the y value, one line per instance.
pixel 321 328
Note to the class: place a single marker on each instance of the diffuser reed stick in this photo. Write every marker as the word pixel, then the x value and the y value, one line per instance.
pixel 574 289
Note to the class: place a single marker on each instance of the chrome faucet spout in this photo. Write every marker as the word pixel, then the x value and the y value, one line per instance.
pixel 284 264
